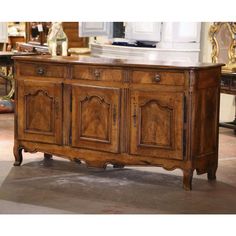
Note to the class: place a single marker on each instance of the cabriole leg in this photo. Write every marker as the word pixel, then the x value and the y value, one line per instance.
pixel 187 179
pixel 77 161
pixel 118 166
pixel 18 155
pixel 211 173
pixel 47 156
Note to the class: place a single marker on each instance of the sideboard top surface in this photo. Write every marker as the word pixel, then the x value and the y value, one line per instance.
pixel 116 62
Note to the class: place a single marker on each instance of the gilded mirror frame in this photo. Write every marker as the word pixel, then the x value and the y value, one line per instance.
pixel 214 29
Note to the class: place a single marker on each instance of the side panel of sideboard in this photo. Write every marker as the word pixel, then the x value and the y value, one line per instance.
pixel 205 120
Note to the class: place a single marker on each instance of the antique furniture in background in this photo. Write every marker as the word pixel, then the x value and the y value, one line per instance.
pixel 36 38
pixel 6 64
pixel 16 34
pixel 36 41
pixel 13 42
pixel 223 38
pixel 6 102
pixel 75 46
pixel 120 112
pixel 36 32
pixel 71 29
pixel 228 85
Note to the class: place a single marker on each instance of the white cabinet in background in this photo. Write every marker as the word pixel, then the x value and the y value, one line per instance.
pixel 180 35
pixel 143 31
pixel 91 29
pixel 175 41
pixel 187 31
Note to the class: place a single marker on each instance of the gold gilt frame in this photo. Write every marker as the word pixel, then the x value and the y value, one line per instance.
pixel 214 29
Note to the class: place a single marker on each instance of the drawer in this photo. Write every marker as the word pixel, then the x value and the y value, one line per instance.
pixel 158 77
pixel 42 70
pixel 97 73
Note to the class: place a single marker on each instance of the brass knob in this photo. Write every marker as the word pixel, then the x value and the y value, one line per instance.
pixel 97 74
pixel 40 71
pixel 157 78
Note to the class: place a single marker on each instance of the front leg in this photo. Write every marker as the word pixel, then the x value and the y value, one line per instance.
pixel 118 166
pixel 187 179
pixel 47 156
pixel 17 150
pixel 211 173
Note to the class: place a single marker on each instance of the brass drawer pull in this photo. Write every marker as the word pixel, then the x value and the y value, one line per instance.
pixel 157 78
pixel 97 74
pixel 40 71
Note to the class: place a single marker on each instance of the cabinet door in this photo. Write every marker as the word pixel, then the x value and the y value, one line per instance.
pixel 40 111
pixel 182 32
pixel 90 29
pixel 147 31
pixel 157 124
pixel 95 118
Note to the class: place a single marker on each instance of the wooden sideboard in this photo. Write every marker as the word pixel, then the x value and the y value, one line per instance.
pixel 121 112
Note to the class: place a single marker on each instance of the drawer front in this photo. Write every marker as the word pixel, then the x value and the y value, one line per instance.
pixel 42 70
pixel 97 73
pixel 158 77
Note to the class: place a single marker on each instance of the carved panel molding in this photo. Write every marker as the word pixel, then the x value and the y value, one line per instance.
pixel 39 112
pixel 156 121
pixel 95 119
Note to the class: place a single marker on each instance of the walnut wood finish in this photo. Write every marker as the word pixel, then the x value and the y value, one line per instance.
pixel 120 112
pixel 71 30
pixel 41 104
pixel 38 42
pixel 157 123
pixel 42 69
pixel 95 118
pixel 95 73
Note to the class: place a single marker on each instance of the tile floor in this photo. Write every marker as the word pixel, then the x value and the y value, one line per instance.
pixel 61 186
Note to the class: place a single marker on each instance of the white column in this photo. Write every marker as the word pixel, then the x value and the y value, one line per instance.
pixel 3 32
